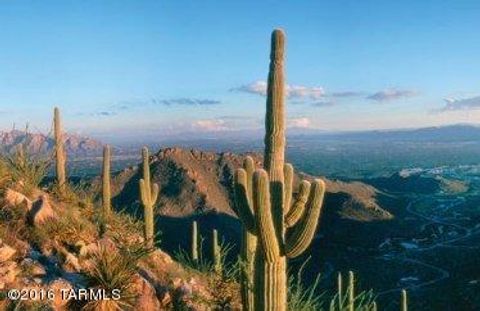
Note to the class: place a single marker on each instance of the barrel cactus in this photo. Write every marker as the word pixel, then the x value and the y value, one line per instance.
pixel 271 210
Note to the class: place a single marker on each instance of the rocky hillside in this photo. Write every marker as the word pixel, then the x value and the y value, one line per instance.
pixel 37 142
pixel 55 245
pixel 194 182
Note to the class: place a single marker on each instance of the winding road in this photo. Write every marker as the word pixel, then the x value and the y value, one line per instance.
pixel 442 273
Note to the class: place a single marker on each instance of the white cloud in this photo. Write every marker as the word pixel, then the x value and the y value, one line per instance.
pixel 392 94
pixel 302 122
pixel 292 91
pixel 210 125
pixel 298 91
pixel 470 103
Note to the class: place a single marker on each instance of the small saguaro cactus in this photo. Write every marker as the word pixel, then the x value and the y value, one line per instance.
pixel 106 191
pixel 340 289
pixel 351 291
pixel 270 212
pixel 194 242
pixel 60 154
pixel 404 306
pixel 216 253
pixel 148 196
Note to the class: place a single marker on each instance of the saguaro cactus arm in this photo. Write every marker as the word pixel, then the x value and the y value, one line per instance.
pixel 288 186
pixel 263 212
pixel 297 209
pixel 146 168
pixel 154 193
pixel 148 197
pixel 242 205
pixel 249 167
pixel 249 240
pixel 304 230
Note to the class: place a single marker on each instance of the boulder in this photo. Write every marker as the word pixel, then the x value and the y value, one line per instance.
pixel 35 268
pixel 147 296
pixel 71 263
pixel 58 303
pixel 8 273
pixel 6 252
pixel 14 198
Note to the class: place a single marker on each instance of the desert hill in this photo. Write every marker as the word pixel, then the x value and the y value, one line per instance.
pixel 194 182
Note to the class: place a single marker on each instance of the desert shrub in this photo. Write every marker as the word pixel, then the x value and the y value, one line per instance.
pixel 121 226
pixel 310 298
pixel 25 169
pixel 82 194
pixel 302 297
pixel 205 264
pixel 69 228
pixel 114 268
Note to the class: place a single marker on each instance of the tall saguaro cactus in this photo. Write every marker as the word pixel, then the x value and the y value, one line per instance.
pixel 106 191
pixel 60 154
pixel 148 196
pixel 270 212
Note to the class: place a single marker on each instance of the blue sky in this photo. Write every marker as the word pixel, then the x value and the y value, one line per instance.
pixel 166 67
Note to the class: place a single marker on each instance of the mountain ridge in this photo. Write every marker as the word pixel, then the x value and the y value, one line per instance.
pixel 76 145
pixel 194 181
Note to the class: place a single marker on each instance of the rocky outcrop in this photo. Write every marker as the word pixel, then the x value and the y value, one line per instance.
pixel 147 298
pixel 8 267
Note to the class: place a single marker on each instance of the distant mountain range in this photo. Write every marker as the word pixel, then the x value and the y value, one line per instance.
pixel 450 133
pixel 78 145
pixel 36 142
